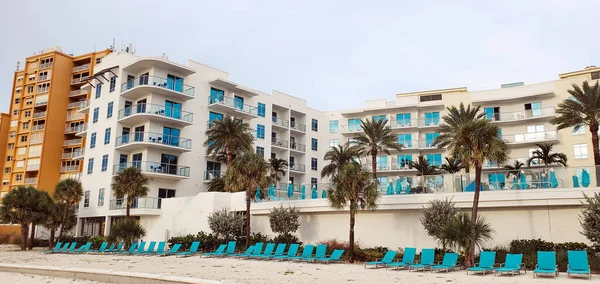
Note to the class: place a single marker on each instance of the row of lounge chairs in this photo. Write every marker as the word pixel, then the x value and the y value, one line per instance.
pixel 577 263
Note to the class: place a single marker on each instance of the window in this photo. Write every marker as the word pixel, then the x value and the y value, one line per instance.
pixel 109 110
pixel 19 164
pixel 86 199
pixel 165 193
pixel 19 177
pixel 260 131
pixel 30 89
pixel 354 124
pixel 261 109
pixel 43 76
pixel 93 141
pixel 21 150
pixel 98 90
pixel 333 143
pixel 429 138
pixel 434 159
pixel 260 151
pixel 104 162
pixel 16 112
pixel 379 117
pixel 113 83
pixel 7 170
pixel 533 109
pixel 42 88
pixel 107 136
pixel 4 182
pixel 11 146
pixel 313 164
pixel 24 138
pixel 98 60
pixel 216 95
pixel 492 113
pixel 579 131
pixel 404 161
pixel 17 101
pixel 315 125
pixel 405 140
pixel 429 98
pixel 403 119
pixel 90 166
pixel 96 111
pixel 381 162
pixel 27 113
pixel 14 123
pixel 334 126
pixel 580 151
pixel 101 197
pixel 313 144
pixel 25 125
pixel 432 118
pixel 12 134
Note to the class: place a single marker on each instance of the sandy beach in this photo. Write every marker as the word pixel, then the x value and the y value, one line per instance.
pixel 251 271
pixel 15 278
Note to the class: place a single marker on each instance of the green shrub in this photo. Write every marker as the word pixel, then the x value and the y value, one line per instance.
pixel 285 222
pixel 529 249
pixel 126 231
pixel 287 239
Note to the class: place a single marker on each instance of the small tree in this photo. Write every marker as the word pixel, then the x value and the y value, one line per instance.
pixel 126 230
pixel 226 224
pixel 590 218
pixel 436 216
pixel 284 221
pixel 22 206
pixel 457 232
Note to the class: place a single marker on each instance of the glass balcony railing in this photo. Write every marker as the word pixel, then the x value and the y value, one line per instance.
pixel 404 123
pixel 297 126
pixel 71 168
pixel 298 147
pixel 521 115
pixel 231 102
pixel 163 139
pixel 39 114
pixel 409 144
pixel 423 122
pixel 297 167
pixel 33 167
pixel 32 180
pixel 279 143
pixel 137 203
pixel 155 167
pixel 209 175
pixel 170 84
pixel 76 129
pixel 280 121
pixel 532 137
pixel 76 93
pixel 170 112
pixel 81 67
pixel 38 127
pixel 72 142
pixel 351 128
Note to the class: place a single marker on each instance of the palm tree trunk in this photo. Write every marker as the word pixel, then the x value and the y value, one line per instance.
pixel 51 242
pixel 247 221
pixel 64 220
pixel 351 237
pixel 127 207
pixel 24 234
pixel 32 237
pixel 596 148
pixel 474 214
pixel 374 165
pixel 229 158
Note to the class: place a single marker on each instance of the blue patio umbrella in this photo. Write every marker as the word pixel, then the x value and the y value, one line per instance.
pixel 271 191
pixel 258 193
pixel 575 181
pixel 585 178
pixel 544 181
pixel 290 189
pixel 407 189
pixel 515 182
pixel 314 194
pixel 324 194
pixel 398 186
pixel 553 180
pixel 390 189
pixel 523 181
pixel 303 192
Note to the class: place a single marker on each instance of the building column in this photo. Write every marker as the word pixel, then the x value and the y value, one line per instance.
pixel 107 226
pixel 79 226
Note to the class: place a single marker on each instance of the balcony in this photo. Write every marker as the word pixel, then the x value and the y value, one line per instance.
pixel 81 68
pixel 404 124
pixel 426 123
pixel 75 116
pixel 297 147
pixel 298 127
pixel 43 78
pixel 210 175
pixel 280 122
pixel 32 180
pixel 229 105
pixel 142 140
pixel 511 161
pixel 139 205
pixel 71 168
pixel 84 106
pixel 156 169
pixel 35 167
pixel 78 93
pixel 39 115
pixel 36 139
pixel 41 103
pixel 79 130
pixel 351 129
pixel 38 127
pixel 426 145
pixel 72 142
pixel 295 167
pixel 280 143
pixel 409 145
pixel 79 80
pixel 77 154
pixel 42 90
pixel 532 138
pixel 524 115
pixel 76 176
pixel 45 65
pixel 143 85
pixel 140 113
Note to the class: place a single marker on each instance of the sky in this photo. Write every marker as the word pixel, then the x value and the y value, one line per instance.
pixel 333 54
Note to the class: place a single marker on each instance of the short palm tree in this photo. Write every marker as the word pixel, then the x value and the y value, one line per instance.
pixel 68 191
pixel 353 187
pixel 248 171
pixel 423 167
pixel 452 165
pixel 54 220
pixel 228 137
pixel 216 184
pixel 544 154
pixel 478 140
pixel 377 138
pixel 129 183
pixel 278 166
pixel 338 156
pixel 580 111
pixel 514 169
pixel 22 205
pixel 457 235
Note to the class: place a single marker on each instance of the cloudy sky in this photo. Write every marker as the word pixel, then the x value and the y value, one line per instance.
pixel 334 54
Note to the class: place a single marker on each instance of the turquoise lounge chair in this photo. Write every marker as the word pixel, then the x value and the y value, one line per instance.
pixel 320 253
pixel 427 257
pixel 512 265
pixel 256 251
pixel 387 258
pixel 71 249
pixel 64 248
pixel 292 252
pixel 172 251
pixel 306 253
pixel 56 248
pixel 334 257
pixel 159 250
pixel 150 249
pixel 193 250
pixel 119 248
pixel 546 264
pixel 130 251
pixel 486 263
pixel 448 263
pixel 267 253
pixel 578 264
pixel 230 248
pixel 278 252
pixel 84 248
pixel 219 252
pixel 408 259
pixel 248 252
pixel 102 248
pixel 140 248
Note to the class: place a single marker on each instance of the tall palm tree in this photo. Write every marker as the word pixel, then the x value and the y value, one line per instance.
pixel 544 154
pixel 21 206
pixel 248 171
pixel 423 167
pixel 277 166
pixel 130 183
pixel 42 203
pixel 477 140
pixel 339 156
pixel 583 110
pixel 452 165
pixel 348 187
pixel 68 191
pixel 377 138
pixel 228 137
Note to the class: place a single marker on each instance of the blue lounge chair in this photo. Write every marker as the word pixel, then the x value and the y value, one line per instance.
pixel 230 248
pixel 387 258
pixel 56 248
pixel 278 252
pixel 84 248
pixel 140 248
pixel 119 248
pixel 448 263
pixel 546 264
pixel 64 248
pixel 71 249
pixel 172 251
pixel 306 253
pixel 219 252
pixel 159 250
pixel 256 251
pixel 132 248
pixel 486 263
pixel 267 253
pixel 426 262
pixel 248 252
pixel 334 257
pixel 193 250
pixel 292 252
pixel 102 248
pixel 146 251
pixel 578 264
pixel 512 265
pixel 320 253
pixel 408 259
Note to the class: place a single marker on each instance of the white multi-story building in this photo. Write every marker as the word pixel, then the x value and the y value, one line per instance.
pixel 153 113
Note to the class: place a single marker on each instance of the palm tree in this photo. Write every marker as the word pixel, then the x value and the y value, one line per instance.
pixel 40 212
pixel 248 171
pixel 514 169
pixel 277 166
pixel 68 191
pixel 339 156
pixel 228 137
pixel 456 232
pixel 582 110
pixel 544 154
pixel 349 186
pixel 423 167
pixel 21 206
pixel 129 182
pixel 377 138
pixel 54 220
pixel 452 165
pixel 216 184
pixel 477 141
